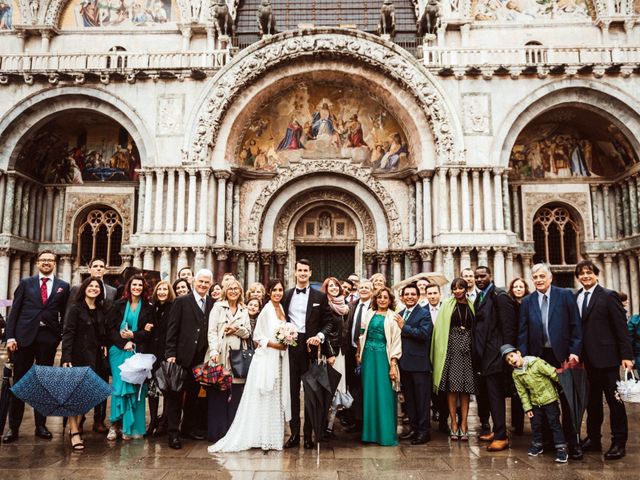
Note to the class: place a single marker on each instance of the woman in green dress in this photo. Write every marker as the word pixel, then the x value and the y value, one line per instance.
pixel 379 349
pixel 129 325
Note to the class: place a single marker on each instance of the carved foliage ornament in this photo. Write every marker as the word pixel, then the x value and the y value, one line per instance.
pixel 347 169
pixel 362 48
pixel 123 204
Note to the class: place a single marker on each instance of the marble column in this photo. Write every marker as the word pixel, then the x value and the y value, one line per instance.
pixel 142 182
pixel 25 266
pixel 426 255
pixel 443 210
pixel 637 180
pixel 183 259
pixel 476 207
pixel 516 211
pixel 509 266
pixel 60 217
pixel 7 220
pixel 426 211
pixel 526 267
pixel 506 202
pixel 24 209
pixel 412 212
pixel 211 39
pixel 498 267
pixel 623 273
pixel 48 219
pixel 252 262
pixel 619 217
pixel 626 211
pixel 126 260
pixel 453 200
pixel 171 192
pixel 369 263
pixel 17 207
pixel 483 256
pixel 465 258
pixel 42 203
pixel 234 258
pixel 438 257
pixel 148 262
pixel 595 211
pixel 281 258
pixel 165 263
pixel 33 208
pixel 419 212
pixel 448 262
pixel 634 282
pixel 228 214
pixel 414 259
pixel 137 258
pixel 148 202
pixel 198 259
pixel 465 201
pixel 157 221
pixel 487 200
pixel 191 206
pixel 14 274
pixel 383 264
pixel 3 184
pixel 65 268
pixel 208 258
pixel 265 260
pixel 396 258
pixel 204 198
pixel 633 205
pixel 5 263
pixel 499 200
pixel 236 214
pixel 220 207
pixel 180 204
pixel 608 224
pixel 608 270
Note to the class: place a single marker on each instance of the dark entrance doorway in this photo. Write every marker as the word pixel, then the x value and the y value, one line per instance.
pixel 328 261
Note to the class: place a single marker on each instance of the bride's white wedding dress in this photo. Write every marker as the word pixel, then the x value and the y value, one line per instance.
pixel 265 404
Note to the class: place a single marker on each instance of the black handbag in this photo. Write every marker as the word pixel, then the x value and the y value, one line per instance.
pixel 170 377
pixel 241 359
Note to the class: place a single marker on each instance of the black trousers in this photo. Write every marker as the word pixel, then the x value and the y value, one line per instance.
pixel 416 387
pixel 482 397
pixel 517 414
pixel 100 410
pixel 43 352
pixel 298 365
pixel 222 410
pixel 549 414
pixel 603 381
pixel 495 398
pixel 570 433
pixel 175 408
pixel 354 385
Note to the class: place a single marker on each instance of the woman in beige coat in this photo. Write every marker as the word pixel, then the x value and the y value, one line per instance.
pixel 229 329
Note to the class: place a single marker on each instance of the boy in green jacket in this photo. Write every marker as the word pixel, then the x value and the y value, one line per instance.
pixel 534 380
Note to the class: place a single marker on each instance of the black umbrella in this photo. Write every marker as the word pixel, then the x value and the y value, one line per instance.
pixel 575 386
pixel 170 376
pixel 5 394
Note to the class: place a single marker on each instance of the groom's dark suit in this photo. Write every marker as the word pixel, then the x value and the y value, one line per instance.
pixel 317 320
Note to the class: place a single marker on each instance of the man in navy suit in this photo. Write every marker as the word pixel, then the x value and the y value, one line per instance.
pixel 607 347
pixel 550 328
pixel 33 332
pixel 415 366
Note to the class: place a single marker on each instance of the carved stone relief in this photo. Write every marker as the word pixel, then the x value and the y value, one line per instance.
pixel 476 113
pixel 170 114
pixel 256 61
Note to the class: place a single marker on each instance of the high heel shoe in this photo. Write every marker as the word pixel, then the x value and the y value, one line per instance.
pixel 455 435
pixel 464 436
pixel 78 445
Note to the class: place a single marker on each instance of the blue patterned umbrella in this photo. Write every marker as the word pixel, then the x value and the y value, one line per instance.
pixel 60 391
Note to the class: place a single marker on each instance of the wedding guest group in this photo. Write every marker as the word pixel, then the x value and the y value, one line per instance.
pixel 413 348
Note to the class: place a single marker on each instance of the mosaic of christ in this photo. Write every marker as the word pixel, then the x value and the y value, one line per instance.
pixel 324 121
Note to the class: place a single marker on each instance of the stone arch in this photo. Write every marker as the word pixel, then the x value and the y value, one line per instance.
pixel 605 100
pixel 347 177
pixel 576 203
pixel 77 208
pixel 252 64
pixel 36 109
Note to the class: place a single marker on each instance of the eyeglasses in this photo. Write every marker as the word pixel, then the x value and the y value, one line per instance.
pixel 47 260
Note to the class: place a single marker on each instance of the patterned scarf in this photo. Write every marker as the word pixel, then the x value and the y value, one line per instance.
pixel 338 304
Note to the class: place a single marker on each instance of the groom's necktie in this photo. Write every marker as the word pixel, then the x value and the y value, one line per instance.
pixel 356 330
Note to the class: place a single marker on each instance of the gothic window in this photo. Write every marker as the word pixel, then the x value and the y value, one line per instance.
pixel 100 235
pixel 556 236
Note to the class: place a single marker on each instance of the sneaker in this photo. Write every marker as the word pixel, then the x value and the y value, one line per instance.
pixel 561 455
pixel 535 450
pixel 112 435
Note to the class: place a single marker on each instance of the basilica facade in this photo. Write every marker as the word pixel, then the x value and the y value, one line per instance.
pixel 239 135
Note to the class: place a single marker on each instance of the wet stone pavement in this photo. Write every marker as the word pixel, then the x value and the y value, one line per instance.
pixel 344 458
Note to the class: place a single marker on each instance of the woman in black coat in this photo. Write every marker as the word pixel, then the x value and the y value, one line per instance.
pixel 83 338
pixel 518 289
pixel 162 300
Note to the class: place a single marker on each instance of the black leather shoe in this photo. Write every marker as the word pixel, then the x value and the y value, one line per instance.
pixel 294 441
pixel 616 452
pixel 10 436
pixel 175 443
pixel 308 444
pixel 355 428
pixel 421 439
pixel 575 453
pixel 42 432
pixel 195 436
pixel 590 446
pixel 485 429
pixel 410 435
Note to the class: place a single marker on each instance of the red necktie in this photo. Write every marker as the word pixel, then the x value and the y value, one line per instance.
pixel 43 290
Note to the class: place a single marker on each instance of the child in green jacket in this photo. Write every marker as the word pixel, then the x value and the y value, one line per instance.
pixel 534 380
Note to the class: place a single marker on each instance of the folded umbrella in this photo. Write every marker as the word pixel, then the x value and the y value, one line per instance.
pixel 60 391
pixel 137 368
pixel 170 376
pixel 575 386
pixel 5 394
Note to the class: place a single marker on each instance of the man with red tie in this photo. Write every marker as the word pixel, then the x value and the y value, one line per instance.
pixel 33 332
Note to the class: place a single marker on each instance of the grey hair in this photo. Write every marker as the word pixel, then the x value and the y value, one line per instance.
pixel 366 282
pixel 204 272
pixel 541 266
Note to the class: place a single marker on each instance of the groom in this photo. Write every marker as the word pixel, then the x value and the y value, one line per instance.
pixel 308 310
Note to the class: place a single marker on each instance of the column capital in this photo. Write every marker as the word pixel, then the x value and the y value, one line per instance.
pixel 426 254
pixel 475 172
pixel 465 250
pixel 369 257
pixel 165 250
pixel 413 255
pixel 191 171
pixel 397 256
pixel 483 250
pixel 222 175
pixel 281 257
pixel 499 250
pixel 608 257
pixel 448 252
pixel 126 257
pixel 498 170
pixel 265 257
pixel 6 252
pixel 426 174
pixel 454 172
pixel 383 258
pixel 221 253
pixel 251 256
pixel 205 172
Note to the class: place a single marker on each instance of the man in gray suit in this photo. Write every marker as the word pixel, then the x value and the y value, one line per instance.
pixel 97 268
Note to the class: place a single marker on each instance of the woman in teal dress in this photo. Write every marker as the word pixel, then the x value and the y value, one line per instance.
pixel 129 328
pixel 379 349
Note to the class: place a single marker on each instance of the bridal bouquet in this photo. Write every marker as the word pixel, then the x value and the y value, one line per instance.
pixel 287 334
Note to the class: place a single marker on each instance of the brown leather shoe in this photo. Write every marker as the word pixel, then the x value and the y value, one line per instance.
pixel 486 438
pixel 498 445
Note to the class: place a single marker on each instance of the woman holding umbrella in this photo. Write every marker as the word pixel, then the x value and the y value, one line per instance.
pixel 129 328
pixel 83 339
pixel 379 349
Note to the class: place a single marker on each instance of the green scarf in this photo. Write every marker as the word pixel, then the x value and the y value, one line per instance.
pixel 440 339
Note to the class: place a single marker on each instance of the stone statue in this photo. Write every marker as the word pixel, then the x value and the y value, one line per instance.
pixel 430 21
pixel 195 6
pixel 387 23
pixel 34 6
pixel 266 20
pixel 222 20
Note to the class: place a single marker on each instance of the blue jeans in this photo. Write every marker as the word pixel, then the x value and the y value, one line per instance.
pixel 551 412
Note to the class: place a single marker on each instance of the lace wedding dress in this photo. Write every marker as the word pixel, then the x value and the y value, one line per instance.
pixel 265 404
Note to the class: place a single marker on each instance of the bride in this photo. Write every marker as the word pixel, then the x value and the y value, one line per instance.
pixel 265 404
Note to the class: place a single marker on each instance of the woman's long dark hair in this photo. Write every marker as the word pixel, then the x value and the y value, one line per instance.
pixel 80 294
pixel 273 283
pixel 145 288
